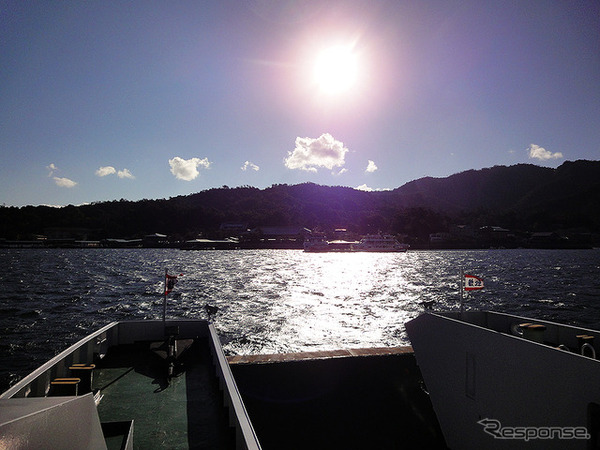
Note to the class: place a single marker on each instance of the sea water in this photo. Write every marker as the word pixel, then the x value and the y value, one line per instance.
pixel 272 301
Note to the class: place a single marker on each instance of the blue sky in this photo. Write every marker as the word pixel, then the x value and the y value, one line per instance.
pixel 103 100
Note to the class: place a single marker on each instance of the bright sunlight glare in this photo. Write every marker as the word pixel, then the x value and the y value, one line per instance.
pixel 336 69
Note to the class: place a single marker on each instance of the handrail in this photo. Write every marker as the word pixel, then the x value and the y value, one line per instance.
pixel 33 376
pixel 243 423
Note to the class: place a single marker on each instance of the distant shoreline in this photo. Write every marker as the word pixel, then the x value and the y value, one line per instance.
pixel 222 245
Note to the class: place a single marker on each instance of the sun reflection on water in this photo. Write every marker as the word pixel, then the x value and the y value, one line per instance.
pixel 340 300
pixel 272 301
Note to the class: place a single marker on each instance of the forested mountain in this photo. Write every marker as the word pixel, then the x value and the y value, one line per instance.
pixel 522 197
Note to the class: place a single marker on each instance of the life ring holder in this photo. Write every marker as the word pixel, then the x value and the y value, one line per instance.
pixel 588 346
pixel 517 328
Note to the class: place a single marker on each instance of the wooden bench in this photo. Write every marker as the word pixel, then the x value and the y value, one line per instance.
pixel 85 373
pixel 64 387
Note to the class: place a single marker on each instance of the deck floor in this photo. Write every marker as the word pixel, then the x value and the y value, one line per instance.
pixel 347 399
pixel 185 413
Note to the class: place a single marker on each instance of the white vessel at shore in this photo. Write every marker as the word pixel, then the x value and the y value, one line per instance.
pixel 316 243
pixel 369 243
pixel 379 243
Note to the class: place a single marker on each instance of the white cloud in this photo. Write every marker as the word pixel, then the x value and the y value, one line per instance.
pixel 64 182
pixel 62 206
pixel 187 169
pixel 109 170
pixel 310 154
pixel 51 168
pixel 104 171
pixel 364 187
pixel 125 173
pixel 249 165
pixel 371 167
pixel 537 152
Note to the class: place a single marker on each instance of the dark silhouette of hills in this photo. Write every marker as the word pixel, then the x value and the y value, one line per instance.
pixel 521 197
pixel 502 188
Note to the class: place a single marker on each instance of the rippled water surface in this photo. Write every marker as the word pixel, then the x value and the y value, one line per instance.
pixel 276 300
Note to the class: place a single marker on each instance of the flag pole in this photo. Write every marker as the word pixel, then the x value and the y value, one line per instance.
pixel 165 298
pixel 462 290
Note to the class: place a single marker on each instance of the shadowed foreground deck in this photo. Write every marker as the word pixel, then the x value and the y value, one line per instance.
pixel 185 413
pixel 132 405
pixel 345 399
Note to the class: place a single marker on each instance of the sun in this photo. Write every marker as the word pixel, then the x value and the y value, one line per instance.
pixel 335 69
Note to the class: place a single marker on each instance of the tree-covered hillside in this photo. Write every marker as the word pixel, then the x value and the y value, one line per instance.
pixel 524 197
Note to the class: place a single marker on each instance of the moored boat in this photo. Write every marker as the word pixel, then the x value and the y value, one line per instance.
pixel 316 243
pixel 369 243
pixel 379 243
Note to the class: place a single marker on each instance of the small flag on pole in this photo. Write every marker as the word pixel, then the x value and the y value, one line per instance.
pixel 468 283
pixel 170 281
pixel 473 283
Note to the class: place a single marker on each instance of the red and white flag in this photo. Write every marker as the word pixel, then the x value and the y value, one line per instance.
pixel 473 283
pixel 170 281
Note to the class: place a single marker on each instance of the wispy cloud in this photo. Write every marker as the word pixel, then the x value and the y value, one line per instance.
pixel 540 153
pixel 60 181
pixel 105 171
pixel 62 206
pixel 187 169
pixel 364 187
pixel 64 182
pixel 51 169
pixel 109 170
pixel 311 154
pixel 250 165
pixel 125 173
pixel 371 167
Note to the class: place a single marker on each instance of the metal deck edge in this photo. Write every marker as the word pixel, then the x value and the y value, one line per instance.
pixel 325 354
